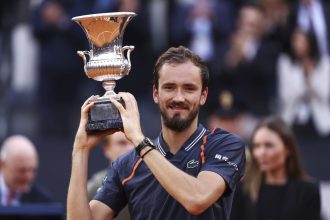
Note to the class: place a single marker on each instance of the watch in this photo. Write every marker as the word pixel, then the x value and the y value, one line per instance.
pixel 144 143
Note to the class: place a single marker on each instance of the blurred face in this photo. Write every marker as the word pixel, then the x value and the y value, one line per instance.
pixel 203 8
pixel 299 44
pixel 268 150
pixel 19 172
pixel 250 21
pixel 231 124
pixel 179 95
pixel 117 145
pixel 306 2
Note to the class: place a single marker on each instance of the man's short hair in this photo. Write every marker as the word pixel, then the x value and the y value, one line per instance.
pixel 178 55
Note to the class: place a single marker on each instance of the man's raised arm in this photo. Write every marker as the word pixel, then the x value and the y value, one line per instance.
pixel 78 206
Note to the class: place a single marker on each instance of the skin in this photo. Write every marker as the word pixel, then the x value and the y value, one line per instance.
pixel 270 154
pixel 19 165
pixel 300 44
pixel 250 28
pixel 179 94
pixel 116 145
pixel 180 84
pixel 301 49
pixel 250 22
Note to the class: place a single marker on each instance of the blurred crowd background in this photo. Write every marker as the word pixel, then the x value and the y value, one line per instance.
pixel 266 57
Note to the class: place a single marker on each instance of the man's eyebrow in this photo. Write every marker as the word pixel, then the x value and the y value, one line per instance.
pixel 168 83
pixel 190 84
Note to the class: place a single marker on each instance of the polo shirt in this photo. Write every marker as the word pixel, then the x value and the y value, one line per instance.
pixel 130 181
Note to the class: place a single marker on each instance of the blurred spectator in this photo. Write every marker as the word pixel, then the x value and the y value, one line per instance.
pixel 62 82
pixel 275 185
pixel 202 26
pixel 19 165
pixel 160 12
pixel 18 76
pixel 249 63
pixel 225 113
pixel 276 19
pixel 313 16
pixel 304 84
pixel 228 113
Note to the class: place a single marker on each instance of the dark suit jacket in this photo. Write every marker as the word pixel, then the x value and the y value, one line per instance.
pixel 253 82
pixel 301 201
pixel 37 194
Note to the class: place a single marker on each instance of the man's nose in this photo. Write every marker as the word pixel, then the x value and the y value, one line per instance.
pixel 179 96
pixel 30 175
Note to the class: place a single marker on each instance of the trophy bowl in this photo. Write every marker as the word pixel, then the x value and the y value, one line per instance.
pixel 105 62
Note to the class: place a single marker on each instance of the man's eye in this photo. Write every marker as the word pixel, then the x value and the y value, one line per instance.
pixel 190 89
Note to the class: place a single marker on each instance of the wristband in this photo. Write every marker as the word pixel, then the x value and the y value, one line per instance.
pixel 144 143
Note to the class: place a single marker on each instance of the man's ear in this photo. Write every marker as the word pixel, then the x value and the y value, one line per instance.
pixel 204 96
pixel 155 94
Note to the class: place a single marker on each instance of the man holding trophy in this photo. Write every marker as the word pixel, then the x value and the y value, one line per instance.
pixel 188 172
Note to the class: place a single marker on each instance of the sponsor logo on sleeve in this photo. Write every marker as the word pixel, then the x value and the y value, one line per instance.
pixel 226 159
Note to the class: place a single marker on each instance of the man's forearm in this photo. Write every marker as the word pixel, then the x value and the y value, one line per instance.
pixel 195 194
pixel 78 204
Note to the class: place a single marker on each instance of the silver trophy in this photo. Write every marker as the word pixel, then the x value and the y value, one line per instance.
pixel 106 63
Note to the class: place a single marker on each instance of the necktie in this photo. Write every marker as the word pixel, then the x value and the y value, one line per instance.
pixel 10 198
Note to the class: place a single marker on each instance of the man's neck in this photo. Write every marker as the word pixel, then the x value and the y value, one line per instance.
pixel 174 139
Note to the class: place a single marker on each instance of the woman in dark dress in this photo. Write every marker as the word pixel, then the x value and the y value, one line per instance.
pixel 275 186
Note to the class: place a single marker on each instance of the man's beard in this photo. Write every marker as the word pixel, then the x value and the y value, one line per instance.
pixel 176 123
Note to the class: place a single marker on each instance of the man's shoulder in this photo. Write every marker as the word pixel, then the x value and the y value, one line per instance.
pixel 125 163
pixel 220 136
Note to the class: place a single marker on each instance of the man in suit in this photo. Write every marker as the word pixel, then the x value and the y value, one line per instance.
pixel 18 169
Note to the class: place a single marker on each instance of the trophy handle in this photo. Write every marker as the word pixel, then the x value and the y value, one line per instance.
pixel 82 55
pixel 129 48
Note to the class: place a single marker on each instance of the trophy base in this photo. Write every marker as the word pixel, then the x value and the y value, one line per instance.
pixel 103 116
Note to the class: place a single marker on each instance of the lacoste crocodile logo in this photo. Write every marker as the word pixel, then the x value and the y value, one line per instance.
pixel 192 164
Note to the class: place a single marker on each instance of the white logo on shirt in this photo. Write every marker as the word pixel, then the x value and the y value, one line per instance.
pixel 224 158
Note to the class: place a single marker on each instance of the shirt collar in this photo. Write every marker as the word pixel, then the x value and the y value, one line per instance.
pixel 4 191
pixel 188 145
pixel 3 188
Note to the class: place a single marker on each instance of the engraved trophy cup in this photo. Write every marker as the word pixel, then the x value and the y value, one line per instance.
pixel 106 63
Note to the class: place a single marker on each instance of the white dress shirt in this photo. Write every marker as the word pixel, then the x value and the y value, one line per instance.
pixel 4 192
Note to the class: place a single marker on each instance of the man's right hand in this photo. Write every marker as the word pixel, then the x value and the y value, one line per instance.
pixel 88 140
